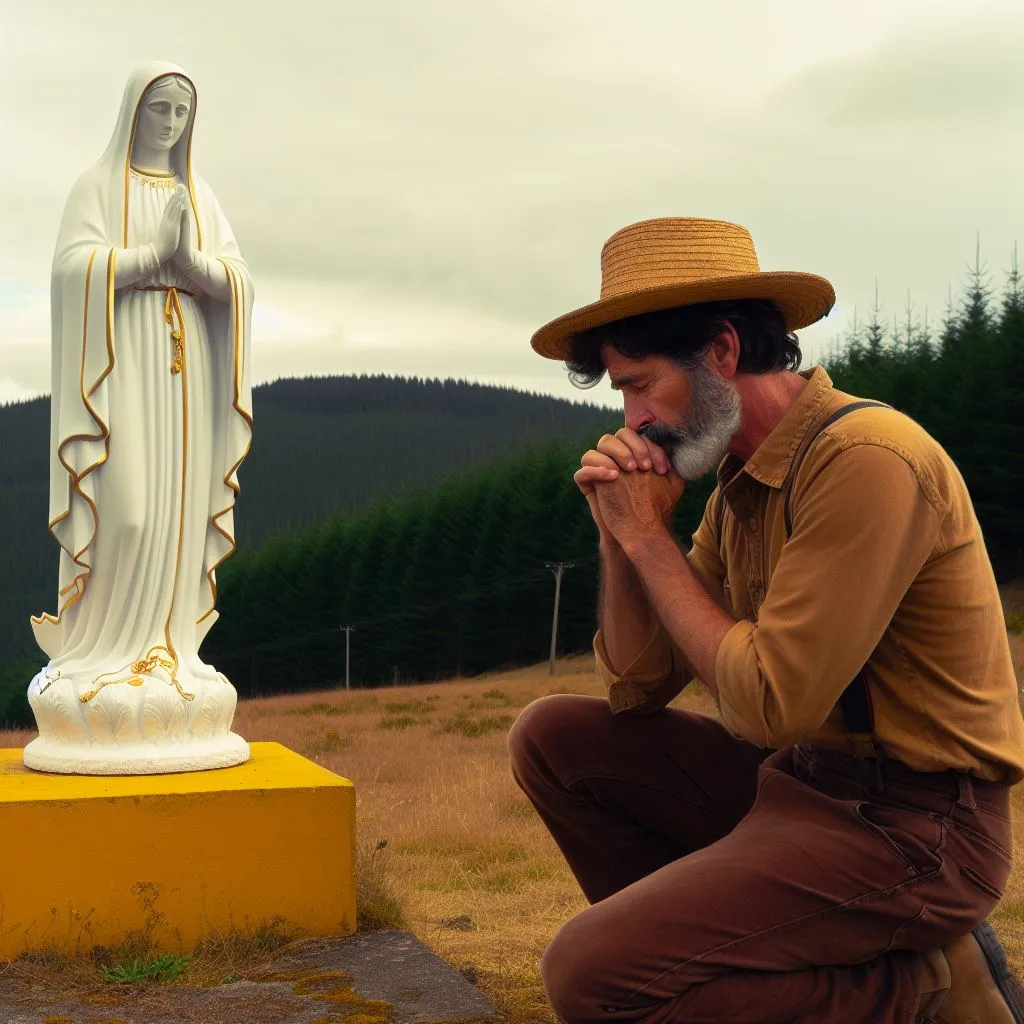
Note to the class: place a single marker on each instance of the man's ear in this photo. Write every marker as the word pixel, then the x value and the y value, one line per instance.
pixel 725 351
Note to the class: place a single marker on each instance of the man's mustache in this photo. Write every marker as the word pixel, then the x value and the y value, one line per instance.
pixel 663 435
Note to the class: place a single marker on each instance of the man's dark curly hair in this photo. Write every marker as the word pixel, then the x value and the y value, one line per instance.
pixel 684 334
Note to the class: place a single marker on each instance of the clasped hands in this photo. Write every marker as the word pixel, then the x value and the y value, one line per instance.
pixel 174 239
pixel 630 486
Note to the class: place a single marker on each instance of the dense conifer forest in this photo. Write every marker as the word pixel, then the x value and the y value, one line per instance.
pixel 425 515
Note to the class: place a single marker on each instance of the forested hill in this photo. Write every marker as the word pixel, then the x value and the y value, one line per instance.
pixel 330 445
pixel 323 446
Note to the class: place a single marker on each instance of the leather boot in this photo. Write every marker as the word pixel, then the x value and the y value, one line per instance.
pixel 981 988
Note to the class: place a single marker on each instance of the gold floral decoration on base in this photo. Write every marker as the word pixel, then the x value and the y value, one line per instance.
pixel 156 657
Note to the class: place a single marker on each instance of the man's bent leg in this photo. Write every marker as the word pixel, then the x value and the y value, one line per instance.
pixel 624 795
pixel 805 912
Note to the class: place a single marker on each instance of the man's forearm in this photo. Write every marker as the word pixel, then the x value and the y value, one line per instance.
pixel 624 612
pixel 676 596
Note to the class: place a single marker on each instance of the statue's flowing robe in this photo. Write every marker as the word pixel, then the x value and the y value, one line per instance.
pixel 143 461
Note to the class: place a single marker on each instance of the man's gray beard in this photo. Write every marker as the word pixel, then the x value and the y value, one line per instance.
pixel 715 418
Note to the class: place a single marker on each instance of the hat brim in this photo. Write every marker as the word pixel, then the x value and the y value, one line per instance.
pixel 803 298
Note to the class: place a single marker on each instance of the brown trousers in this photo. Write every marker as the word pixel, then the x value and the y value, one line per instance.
pixel 729 885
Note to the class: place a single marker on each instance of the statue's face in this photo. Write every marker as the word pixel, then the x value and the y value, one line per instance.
pixel 163 116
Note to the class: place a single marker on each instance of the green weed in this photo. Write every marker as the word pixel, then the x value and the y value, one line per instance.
pixel 162 968
pixel 350 706
pixel 492 699
pixel 409 707
pixel 465 725
pixel 399 723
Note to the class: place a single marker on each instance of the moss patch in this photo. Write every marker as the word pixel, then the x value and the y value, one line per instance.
pixel 335 988
pixel 100 999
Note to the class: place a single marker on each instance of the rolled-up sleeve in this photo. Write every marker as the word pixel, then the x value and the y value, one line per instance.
pixel 660 671
pixel 862 529
pixel 654 677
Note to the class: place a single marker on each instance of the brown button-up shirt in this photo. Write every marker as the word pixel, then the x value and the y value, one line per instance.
pixel 885 570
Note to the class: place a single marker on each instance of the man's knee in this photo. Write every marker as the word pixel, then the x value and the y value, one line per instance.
pixel 583 974
pixel 569 973
pixel 550 723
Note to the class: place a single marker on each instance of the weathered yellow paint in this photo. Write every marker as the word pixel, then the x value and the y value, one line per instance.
pixel 94 860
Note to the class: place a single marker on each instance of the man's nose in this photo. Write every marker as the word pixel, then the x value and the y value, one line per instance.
pixel 635 414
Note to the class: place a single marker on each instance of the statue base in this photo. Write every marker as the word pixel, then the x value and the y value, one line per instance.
pixel 46 755
pixel 143 726
pixel 174 858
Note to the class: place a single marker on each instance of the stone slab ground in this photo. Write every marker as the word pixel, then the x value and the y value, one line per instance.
pixel 374 978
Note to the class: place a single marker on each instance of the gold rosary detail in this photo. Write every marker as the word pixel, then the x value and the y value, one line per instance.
pixel 172 309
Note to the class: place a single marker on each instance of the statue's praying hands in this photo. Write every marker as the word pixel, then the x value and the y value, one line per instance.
pixel 170 236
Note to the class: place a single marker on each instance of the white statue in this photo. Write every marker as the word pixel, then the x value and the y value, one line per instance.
pixel 151 305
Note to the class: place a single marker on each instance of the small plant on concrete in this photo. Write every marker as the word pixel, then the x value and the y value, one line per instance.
pixel 165 967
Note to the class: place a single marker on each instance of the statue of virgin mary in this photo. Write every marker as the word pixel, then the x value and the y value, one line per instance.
pixel 150 305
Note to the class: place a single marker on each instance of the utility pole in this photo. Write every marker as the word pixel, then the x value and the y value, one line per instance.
pixel 557 568
pixel 347 631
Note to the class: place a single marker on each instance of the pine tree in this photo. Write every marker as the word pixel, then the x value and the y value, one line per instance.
pixel 1009 415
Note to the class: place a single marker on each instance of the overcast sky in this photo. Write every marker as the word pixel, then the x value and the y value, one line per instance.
pixel 419 185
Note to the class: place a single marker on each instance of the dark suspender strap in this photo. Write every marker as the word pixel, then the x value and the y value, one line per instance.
pixel 810 437
pixel 859 715
pixel 855 702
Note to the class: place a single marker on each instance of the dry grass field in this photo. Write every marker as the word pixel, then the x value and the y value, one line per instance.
pixel 474 871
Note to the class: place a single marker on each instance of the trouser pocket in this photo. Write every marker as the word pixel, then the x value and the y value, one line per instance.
pixel 983 859
pixel 913 838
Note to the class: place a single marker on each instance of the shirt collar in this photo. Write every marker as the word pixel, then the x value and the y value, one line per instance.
pixel 771 461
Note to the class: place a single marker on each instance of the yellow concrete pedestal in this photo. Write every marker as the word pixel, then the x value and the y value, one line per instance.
pixel 94 860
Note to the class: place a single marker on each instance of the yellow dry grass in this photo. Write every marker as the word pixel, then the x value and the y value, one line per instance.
pixel 480 879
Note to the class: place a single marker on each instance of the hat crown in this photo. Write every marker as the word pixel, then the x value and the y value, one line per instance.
pixel 674 250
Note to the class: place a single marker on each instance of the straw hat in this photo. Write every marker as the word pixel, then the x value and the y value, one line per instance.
pixel 679 261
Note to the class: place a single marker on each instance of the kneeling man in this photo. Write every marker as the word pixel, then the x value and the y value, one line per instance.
pixel 830 849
